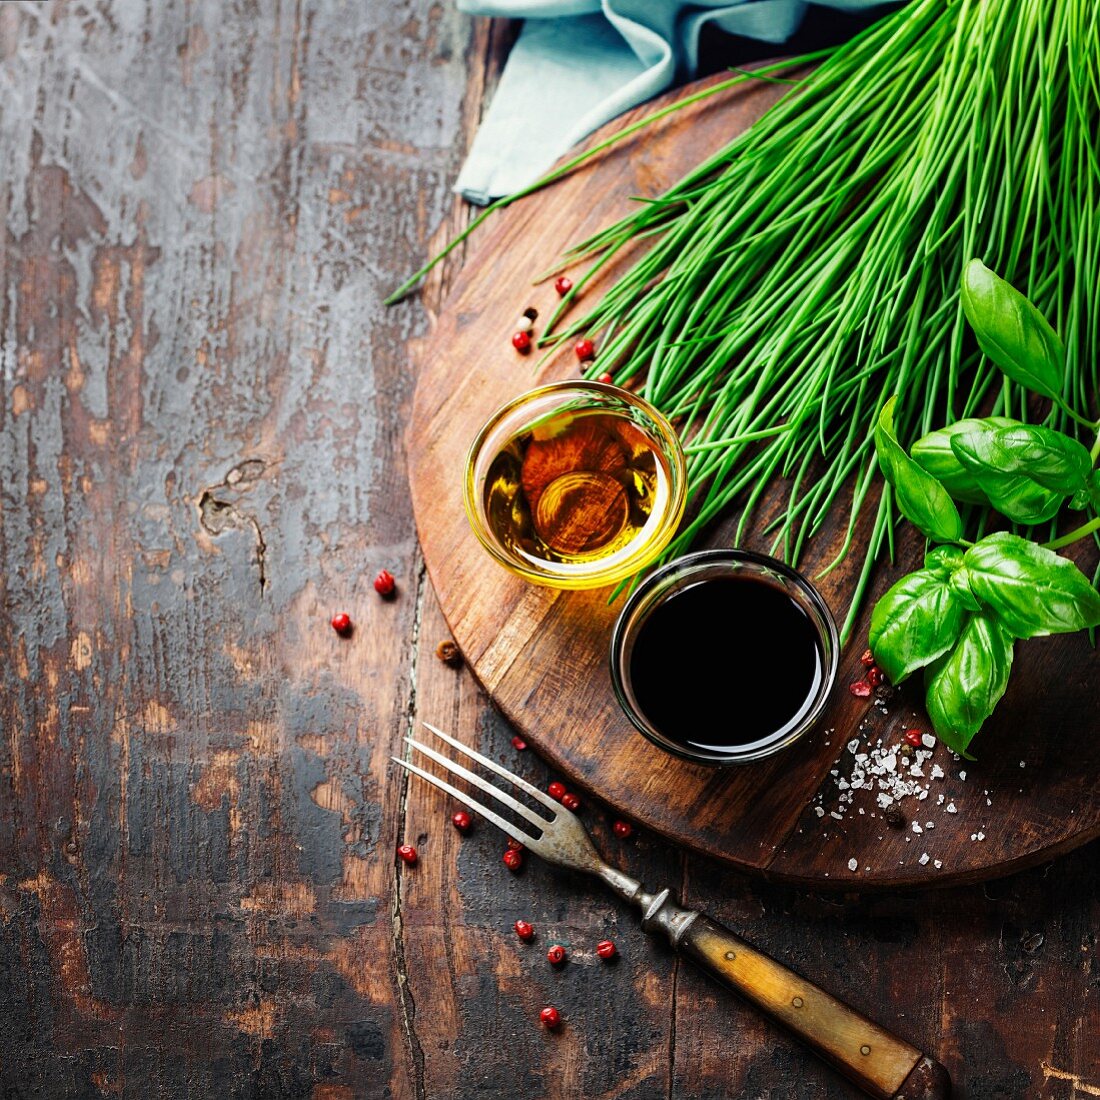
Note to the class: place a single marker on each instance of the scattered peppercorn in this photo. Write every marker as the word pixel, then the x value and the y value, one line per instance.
pixel 556 790
pixel 521 341
pixel 868 658
pixel 408 853
pixel 861 689
pixel 606 949
pixel 570 801
pixel 461 821
pixel 605 378
pixel 341 623
pixel 563 285
pixel 585 349
pixel 515 845
pixel 531 313
pixel 519 744
pixel 448 653
pixel 525 931
pixel 895 818
pixel 550 1017
pixel 875 676
pixel 905 749
pixel 912 737
pixel 622 829
pixel 556 955
pixel 524 324
pixel 384 584
pixel 513 860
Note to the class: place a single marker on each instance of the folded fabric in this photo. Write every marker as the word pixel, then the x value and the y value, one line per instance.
pixel 579 63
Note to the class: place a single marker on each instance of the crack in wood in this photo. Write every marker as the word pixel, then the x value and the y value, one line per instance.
pixel 218 514
pixel 1077 1083
pixel 404 989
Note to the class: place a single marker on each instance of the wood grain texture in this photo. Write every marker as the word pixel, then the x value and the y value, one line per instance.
pixel 542 653
pixel 202 204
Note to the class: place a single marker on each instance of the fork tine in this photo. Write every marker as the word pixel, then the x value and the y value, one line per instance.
pixel 503 772
pixel 512 830
pixel 482 784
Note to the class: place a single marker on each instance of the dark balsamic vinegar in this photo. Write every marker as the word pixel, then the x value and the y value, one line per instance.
pixel 726 665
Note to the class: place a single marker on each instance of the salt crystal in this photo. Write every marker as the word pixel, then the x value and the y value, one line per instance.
pixel 861 810
pixel 853 865
pixel 923 795
pixel 833 813
pixel 951 808
pixel 1022 764
pixel 917 828
pixel 937 771
pixel 937 863
pixel 842 784
pixel 917 770
pixel 981 836
pixel 929 824
pixel 923 859
pixel 939 801
pixel 973 836
pixel 989 801
pixel 819 810
pixel 927 740
pixel 962 776
pixel 853 745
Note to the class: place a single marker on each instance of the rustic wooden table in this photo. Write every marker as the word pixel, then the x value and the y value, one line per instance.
pixel 201 459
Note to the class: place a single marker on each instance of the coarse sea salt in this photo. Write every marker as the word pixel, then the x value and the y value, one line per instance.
pixel 853 865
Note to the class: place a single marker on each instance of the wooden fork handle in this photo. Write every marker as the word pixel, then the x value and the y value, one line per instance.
pixel 881 1064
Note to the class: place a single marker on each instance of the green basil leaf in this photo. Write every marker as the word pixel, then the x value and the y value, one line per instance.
pixel 921 498
pixel 959 582
pixel 915 622
pixel 1049 458
pixel 943 560
pixel 1034 590
pixel 1012 332
pixel 933 453
pixel 1021 500
pixel 964 686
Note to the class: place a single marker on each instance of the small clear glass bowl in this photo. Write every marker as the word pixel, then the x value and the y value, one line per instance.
pixel 534 407
pixel 690 569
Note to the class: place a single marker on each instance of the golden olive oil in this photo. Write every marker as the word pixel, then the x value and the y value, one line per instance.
pixel 576 487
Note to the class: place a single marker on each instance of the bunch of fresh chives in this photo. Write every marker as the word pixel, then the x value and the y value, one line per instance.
pixel 810 270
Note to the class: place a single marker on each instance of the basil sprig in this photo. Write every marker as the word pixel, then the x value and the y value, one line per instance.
pixel 958 618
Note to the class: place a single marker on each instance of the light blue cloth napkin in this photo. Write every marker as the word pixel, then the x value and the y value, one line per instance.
pixel 579 63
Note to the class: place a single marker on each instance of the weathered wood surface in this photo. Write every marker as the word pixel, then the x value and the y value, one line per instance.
pixel 542 653
pixel 202 205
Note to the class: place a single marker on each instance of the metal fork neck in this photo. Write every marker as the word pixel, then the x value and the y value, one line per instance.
pixel 659 912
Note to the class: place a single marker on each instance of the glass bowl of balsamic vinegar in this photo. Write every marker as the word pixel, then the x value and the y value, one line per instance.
pixel 575 484
pixel 724 656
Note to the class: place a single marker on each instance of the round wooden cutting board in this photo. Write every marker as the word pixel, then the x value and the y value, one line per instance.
pixel 1034 790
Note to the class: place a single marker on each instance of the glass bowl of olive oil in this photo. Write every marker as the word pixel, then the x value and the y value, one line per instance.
pixel 575 484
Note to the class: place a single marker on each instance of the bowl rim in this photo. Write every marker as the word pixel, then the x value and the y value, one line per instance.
pixel 595 577
pixel 734 557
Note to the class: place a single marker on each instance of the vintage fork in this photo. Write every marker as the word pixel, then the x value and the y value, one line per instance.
pixel 880 1063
